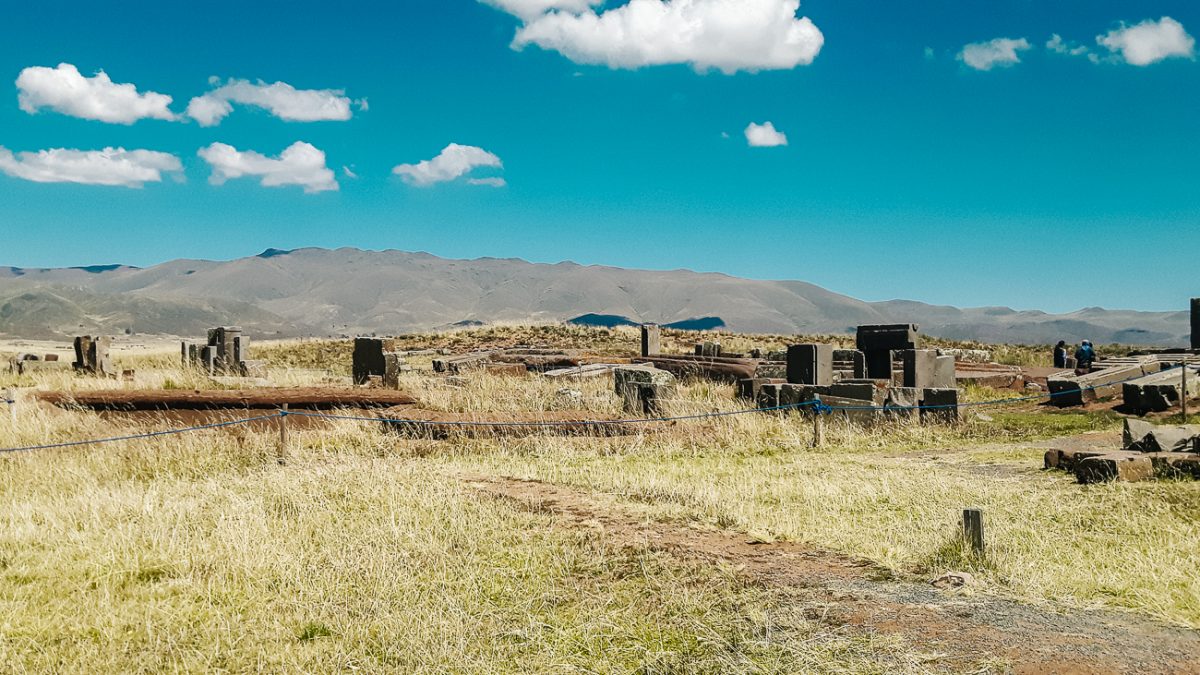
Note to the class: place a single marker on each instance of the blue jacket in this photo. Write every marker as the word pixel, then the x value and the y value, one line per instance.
pixel 1085 354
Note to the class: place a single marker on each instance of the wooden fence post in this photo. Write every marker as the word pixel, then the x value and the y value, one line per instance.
pixel 973 529
pixel 818 429
pixel 283 435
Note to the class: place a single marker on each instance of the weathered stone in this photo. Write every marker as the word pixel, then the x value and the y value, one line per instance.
pixel 878 341
pixel 1176 464
pixel 863 391
pixel 1195 323
pixel 944 373
pixel 1159 392
pixel 391 370
pixel 747 388
pixel 1122 466
pixel 810 364
pixel 940 405
pixel 919 368
pixel 506 369
pixel 643 389
pixel 367 359
pixel 1142 436
pixel 1073 390
pixel 651 339
pixel 797 395
pixel 855 411
pixel 50 357
pixel 768 396
pixel 771 370
pixel 208 359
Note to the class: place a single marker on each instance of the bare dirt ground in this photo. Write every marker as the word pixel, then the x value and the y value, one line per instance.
pixel 962 631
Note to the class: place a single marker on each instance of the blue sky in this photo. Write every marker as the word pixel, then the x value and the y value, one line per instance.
pixel 1050 179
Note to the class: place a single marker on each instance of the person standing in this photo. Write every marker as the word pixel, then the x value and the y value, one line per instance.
pixel 1060 354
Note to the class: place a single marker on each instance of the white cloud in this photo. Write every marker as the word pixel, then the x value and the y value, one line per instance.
pixel 1149 41
pixel 110 166
pixel 496 182
pixel 65 90
pixel 281 99
pixel 300 164
pixel 765 136
pixel 998 52
pixel 453 162
pixel 529 9
pixel 729 35
pixel 930 54
pixel 1058 45
pixel 348 172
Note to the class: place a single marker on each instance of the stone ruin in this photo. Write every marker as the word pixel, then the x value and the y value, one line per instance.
pixel 91 356
pixel 1148 451
pixel 643 389
pixel 376 361
pixel 226 353
pixel 888 375
pixel 1147 381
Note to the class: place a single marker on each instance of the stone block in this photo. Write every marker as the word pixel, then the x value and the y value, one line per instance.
pixel 1121 466
pixel 855 411
pixel 774 370
pixel 863 391
pixel 796 395
pixel 1142 436
pixel 651 339
pixel 747 388
pixel 367 359
pixel 940 405
pixel 1195 323
pixel 810 364
pixel 944 373
pixel 919 368
pixel 392 363
pixel 506 369
pixel 208 359
pixel 1073 390
pixel 768 396
pixel 877 341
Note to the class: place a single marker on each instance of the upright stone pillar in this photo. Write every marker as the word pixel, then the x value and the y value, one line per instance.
pixel 810 364
pixel 651 339
pixel 1195 323
pixel 368 358
pixel 920 368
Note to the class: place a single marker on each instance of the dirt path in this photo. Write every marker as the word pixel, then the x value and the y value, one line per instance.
pixel 846 592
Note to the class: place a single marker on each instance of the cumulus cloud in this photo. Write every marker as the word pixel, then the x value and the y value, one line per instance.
pixel 998 52
pixel 300 164
pixel 729 35
pixel 529 9
pixel 452 163
pixel 280 99
pixel 765 136
pixel 65 90
pixel 1058 45
pixel 1149 42
pixel 110 166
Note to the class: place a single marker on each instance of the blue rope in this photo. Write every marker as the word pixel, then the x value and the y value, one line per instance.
pixel 817 405
pixel 152 434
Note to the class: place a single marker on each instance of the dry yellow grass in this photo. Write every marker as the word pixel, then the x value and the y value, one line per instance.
pixel 199 552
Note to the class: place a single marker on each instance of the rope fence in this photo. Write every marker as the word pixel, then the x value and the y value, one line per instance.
pixel 817 407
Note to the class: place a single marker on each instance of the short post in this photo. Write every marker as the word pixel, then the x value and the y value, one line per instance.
pixel 973 530
pixel 283 435
pixel 1183 393
pixel 818 428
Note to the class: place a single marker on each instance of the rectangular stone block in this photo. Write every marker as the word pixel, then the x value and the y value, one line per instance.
pixel 940 405
pixel 1122 466
pixel 944 373
pixel 747 388
pixel 773 370
pixel 920 367
pixel 810 364
pixel 797 394
pixel 863 391
pixel 768 396
pixel 367 359
pixel 651 339
pixel 1195 323
pixel 855 411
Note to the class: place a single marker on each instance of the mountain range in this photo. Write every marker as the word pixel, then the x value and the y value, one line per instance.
pixel 347 291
